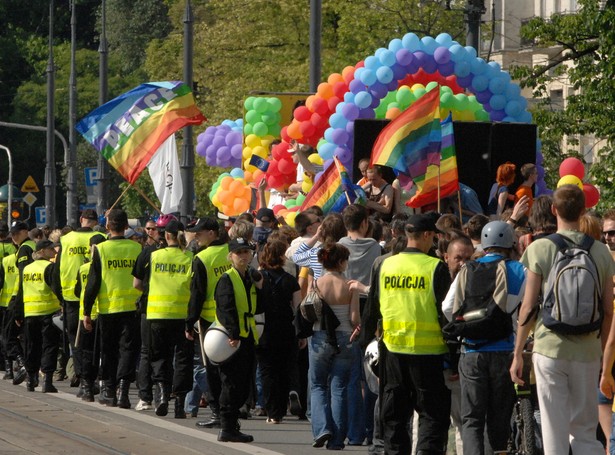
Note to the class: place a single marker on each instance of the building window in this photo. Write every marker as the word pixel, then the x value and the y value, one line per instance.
pixel 557 99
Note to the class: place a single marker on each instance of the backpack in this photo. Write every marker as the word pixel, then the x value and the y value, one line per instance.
pixel 482 314
pixel 572 303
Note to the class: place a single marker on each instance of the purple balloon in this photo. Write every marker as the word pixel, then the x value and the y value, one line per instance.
pixel 419 56
pixel 393 85
pixel 222 153
pixel 350 111
pixel 398 71
pixel 368 112
pixel 446 69
pixel 339 136
pixel 350 128
pixel 237 151
pixel 404 57
pixel 430 66
pixel 356 86
pixel 442 55
pixel 201 149
pixel 484 96
pixel 210 131
pixel 466 81
pixel 218 141
pixel 343 154
pixel 497 116
pixel 223 129
pixel 378 90
pixel 375 102
pixel 539 158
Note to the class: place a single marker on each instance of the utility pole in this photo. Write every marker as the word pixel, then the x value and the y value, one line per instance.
pixel 102 197
pixel 71 160
pixel 50 170
pixel 187 163
pixel 473 12
pixel 315 35
pixel 9 184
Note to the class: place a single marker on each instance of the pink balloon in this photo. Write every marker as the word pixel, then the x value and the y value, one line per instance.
pixel 592 195
pixel 572 166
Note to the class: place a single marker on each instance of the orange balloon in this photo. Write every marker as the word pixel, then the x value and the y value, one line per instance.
pixel 225 197
pixel 248 176
pixel 293 130
pixel 308 102
pixel 325 90
pixel 257 174
pixel 335 77
pixel 240 206
pixel 247 193
pixel 226 182
pixel 348 74
pixel 236 188
pixel 393 113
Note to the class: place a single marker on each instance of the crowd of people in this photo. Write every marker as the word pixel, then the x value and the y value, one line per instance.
pixel 136 307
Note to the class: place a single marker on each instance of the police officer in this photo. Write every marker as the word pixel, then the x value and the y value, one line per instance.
pixel 110 281
pixel 12 331
pixel 89 349
pixel 154 241
pixel 74 249
pixel 238 294
pixel 407 299
pixel 208 266
pixel 168 275
pixel 35 305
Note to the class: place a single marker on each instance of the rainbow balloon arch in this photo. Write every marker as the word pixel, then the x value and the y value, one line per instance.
pixel 381 86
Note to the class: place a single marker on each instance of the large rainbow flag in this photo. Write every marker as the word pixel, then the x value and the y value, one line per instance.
pixel 334 190
pixel 129 129
pixel 427 184
pixel 411 142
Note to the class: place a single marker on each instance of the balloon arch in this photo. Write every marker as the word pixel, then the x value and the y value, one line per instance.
pixel 381 86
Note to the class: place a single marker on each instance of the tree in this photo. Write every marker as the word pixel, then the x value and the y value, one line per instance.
pixel 581 47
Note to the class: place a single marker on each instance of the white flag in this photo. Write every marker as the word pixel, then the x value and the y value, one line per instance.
pixel 164 170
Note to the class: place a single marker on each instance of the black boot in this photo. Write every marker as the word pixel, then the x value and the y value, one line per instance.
pixel 180 413
pixel 48 386
pixel 21 374
pixel 88 392
pixel 81 388
pixel 108 395
pixel 163 405
pixel 8 368
pixel 32 381
pixel 213 422
pixel 234 436
pixel 124 401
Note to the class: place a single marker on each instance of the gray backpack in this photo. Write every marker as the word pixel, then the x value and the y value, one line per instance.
pixel 573 304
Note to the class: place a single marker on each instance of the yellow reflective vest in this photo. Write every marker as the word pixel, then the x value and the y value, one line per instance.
pixel 32 245
pixel 408 305
pixel 245 306
pixel 169 284
pixel 75 250
pixel 216 262
pixel 38 298
pixel 117 259
pixel 84 271
pixel 11 279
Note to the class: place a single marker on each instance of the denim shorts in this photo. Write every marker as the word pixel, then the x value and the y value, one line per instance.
pixel 602 399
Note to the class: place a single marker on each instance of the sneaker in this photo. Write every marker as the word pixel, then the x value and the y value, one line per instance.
pixel 274 421
pixel 295 405
pixel 321 440
pixel 234 436
pixel 259 412
pixel 143 405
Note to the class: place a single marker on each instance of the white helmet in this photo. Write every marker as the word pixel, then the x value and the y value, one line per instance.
pixel 216 344
pixel 260 323
pixel 58 320
pixel 370 365
pixel 499 234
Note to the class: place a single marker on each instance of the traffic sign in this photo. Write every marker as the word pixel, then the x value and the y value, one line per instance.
pixel 41 215
pixel 29 199
pixel 30 186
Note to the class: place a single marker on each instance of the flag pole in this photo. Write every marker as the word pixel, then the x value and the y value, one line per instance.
pixel 120 197
pixel 438 189
pixel 140 191
pixel 337 166
pixel 459 203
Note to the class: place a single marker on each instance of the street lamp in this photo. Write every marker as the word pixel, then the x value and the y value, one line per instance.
pixel 9 201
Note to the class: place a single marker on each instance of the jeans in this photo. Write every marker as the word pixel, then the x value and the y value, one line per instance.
pixel 487 398
pixel 199 382
pixel 329 377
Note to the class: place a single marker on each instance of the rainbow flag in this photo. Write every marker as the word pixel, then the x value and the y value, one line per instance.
pixel 129 129
pixel 411 142
pixel 427 184
pixel 334 190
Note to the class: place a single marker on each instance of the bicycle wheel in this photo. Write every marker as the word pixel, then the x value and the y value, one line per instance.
pixel 527 427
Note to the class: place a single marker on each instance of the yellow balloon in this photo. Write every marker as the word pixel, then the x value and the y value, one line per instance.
pixel 315 158
pixel 260 151
pixel 306 187
pixel 570 180
pixel 252 140
pixel 290 218
pixel 417 87
pixel 246 153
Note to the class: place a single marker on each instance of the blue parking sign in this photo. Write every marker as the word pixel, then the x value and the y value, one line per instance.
pixel 41 215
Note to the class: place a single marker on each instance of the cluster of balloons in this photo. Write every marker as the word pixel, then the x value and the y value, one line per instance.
pixel 463 107
pixel 382 72
pixel 262 116
pixel 255 145
pixel 310 121
pixel 421 77
pixel 231 194
pixel 572 172
pixel 282 171
pixel 222 145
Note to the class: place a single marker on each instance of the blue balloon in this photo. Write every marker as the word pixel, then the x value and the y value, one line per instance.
pixel 512 91
pixel 458 53
pixel 479 66
pixel 428 44
pixel 462 69
pixel 363 99
pixel 368 77
pixel 497 102
pixel 349 97
pixel 444 39
pixel 525 117
pixel 338 121
pixel 513 108
pixel 395 45
pixel 371 63
pixel 471 53
pixel 480 83
pixel 237 173
pixel 411 42
pixel 387 58
pixel 326 150
pixel 384 74
pixel 497 85
pixel 329 133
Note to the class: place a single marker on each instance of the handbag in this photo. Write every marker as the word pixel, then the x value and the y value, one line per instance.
pixel 311 305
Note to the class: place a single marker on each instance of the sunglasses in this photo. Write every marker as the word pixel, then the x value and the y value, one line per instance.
pixel 609 233
pixel 150 228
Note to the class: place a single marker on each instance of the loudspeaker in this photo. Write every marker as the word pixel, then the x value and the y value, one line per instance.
pixel 480 147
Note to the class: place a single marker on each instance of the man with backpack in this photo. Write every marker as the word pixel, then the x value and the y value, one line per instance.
pixel 572 279
pixel 487 292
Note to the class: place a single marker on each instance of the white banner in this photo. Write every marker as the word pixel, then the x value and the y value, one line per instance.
pixel 164 171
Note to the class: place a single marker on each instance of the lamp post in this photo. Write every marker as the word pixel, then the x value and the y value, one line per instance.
pixel 50 170
pixel 187 163
pixel 315 32
pixel 9 184
pixel 71 159
pixel 102 197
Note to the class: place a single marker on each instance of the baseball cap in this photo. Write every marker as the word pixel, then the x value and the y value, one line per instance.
pixel 18 226
pixel 130 233
pixel 42 244
pixel 265 215
pixel 89 214
pixel 421 223
pixel 205 224
pixel 239 244
pixel 174 226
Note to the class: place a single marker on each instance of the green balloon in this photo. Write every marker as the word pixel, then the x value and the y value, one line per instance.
pixel 431 85
pixel 247 129
pixel 252 117
pixel 290 203
pixel 270 118
pixel 461 102
pixel 419 92
pixel 300 199
pixel 248 104
pixel 275 130
pixel 274 104
pixel 447 100
pixel 404 96
pixel 260 105
pixel 481 115
pixel 446 89
pixel 260 129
